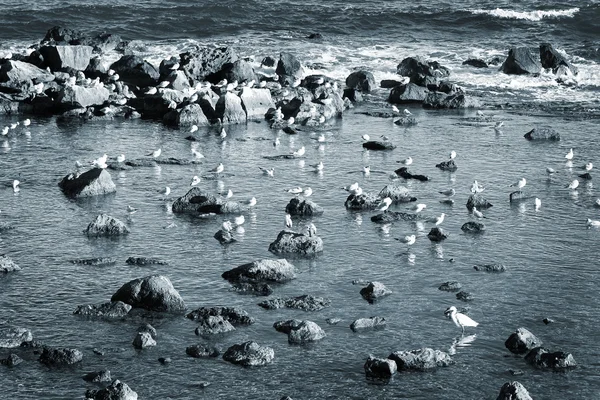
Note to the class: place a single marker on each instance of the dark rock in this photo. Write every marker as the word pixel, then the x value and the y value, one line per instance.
pixel 305 302
pixel 202 63
pixel 111 309
pixel 229 109
pixel 154 293
pixel 522 341
pixel 213 325
pixel 542 358
pixel 353 95
pixel 398 194
pixel 437 234
pixel 542 134
pixel 404 173
pixel 94 182
pixel 249 354
pixel 58 34
pixel 548 321
pixel 550 58
pixel 450 286
pixel 13 336
pixel 304 207
pixel 300 332
pixel 392 216
pixel 288 68
pixel 518 196
pixel 264 270
pixel 32 344
pixel 141 261
pixel 421 359
pixel 95 261
pixel 586 176
pixel 439 100
pixel 59 58
pixel 147 328
pixel 333 321
pixel 268 62
pixel 361 80
pixel 60 356
pixel 105 225
pixel 364 201
pixel 447 166
pixel 521 60
pixel 405 94
pixel 259 289
pixel 418 70
pixel 256 102
pixel 374 291
pixel 12 360
pixel 380 368
pixel 473 227
pixel 464 296
pixel 298 243
pixel 115 391
pixel 7 264
pixel 224 237
pixel 389 83
pixel 372 323
pixel 201 351
pixel 477 200
pixel 315 35
pixel 143 340
pixel 98 376
pixel 198 201
pixel 378 145
pixel 134 70
pixel 239 70
pixel 236 316
pixel 475 62
pixel 513 391
pixel 164 360
pixel 490 268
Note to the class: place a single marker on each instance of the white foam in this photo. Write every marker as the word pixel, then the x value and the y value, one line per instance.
pixel 536 15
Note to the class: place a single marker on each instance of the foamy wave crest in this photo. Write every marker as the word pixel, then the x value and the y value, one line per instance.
pixel 529 15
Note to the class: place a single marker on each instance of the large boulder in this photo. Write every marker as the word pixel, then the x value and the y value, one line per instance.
pixel 305 302
pixel 71 97
pixel 522 341
pixel 366 324
pixel 543 358
pixel 159 104
pixel 60 356
pixel 392 216
pixel 381 368
pixel 297 243
pixel 421 359
pixel 289 69
pixel 300 332
pixel 13 336
pixel 191 114
pixel 7 264
pixel 202 64
pixel 410 93
pixel 18 72
pixel 236 316
pixel 154 293
pixel 374 291
pixel 422 72
pixel 105 225
pixel 112 309
pixel 398 194
pixel 513 391
pixel 437 234
pixel 362 81
pixel 213 325
pixel 550 58
pixel 249 354
pixel 256 102
pixel 304 207
pixel 265 270
pixel 477 200
pixel 237 71
pixel 542 134
pixel 143 340
pixel 229 109
pixel 115 391
pixel 134 70
pixel 196 200
pixel 522 60
pixel 94 182
pixel 364 201
pixel 63 57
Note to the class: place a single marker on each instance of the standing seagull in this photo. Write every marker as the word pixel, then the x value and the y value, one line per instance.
pixel 520 184
pixel 218 169
pixel 460 320
pixel 406 161
pixel 452 155
pixel 385 204
pixel 438 220
pixel 155 153
pixel 409 239
pixel 569 155
pixel 573 185
pixel 288 221
pixel 15 186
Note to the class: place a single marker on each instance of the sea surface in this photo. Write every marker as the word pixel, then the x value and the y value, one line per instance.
pixel 552 258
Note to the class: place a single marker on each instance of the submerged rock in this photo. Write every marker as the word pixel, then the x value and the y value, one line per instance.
pixel 249 354
pixel 112 309
pixel 11 361
pixel 458 100
pixel 265 270
pixel 450 286
pixel 542 134
pixel 224 237
pixel 490 268
pixel 98 376
pixel 364 201
pixel 475 62
pixel 60 356
pixel 95 261
pixel 141 261
pixel 300 332
pixel 437 234
pixel 201 351
pixel 522 341
pixel 7 264
pixel 421 359
pixel 519 195
pixel 11 337
pixel 154 293
pixel 212 325
pixel 305 302
pixel 472 227
pixel 115 391
pixel 380 368
pixel 298 243
pixel 96 181
pixel 366 324
pixel 464 296
pixel 105 225
pixel 392 216
pixel 513 391
pixel 374 291
pixel 378 145
pixel 542 358
pixel 404 173
pixel 236 316
pixel 420 71
pixel 196 200
pixel 449 165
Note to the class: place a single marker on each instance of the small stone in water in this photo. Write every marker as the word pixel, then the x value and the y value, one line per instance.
pixel 164 360
pixel 333 321
pixel 548 321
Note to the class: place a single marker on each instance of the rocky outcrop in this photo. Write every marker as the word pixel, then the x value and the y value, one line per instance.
pixel 213 325
pixel 289 69
pixel 362 81
pixel 304 207
pixel 406 94
pixel 450 286
pixel 522 341
pixel 367 324
pixel 154 293
pixel 265 270
pixel 237 71
pixel 72 97
pixel 513 391
pixel 297 243
pixel 364 201
pixel 490 268
pixel 542 134
pixel 201 351
pixel 202 64
pixel 105 225
pixel 380 368
pixel 403 172
pixel 236 316
pixel 98 376
pixel 191 114
pixel 422 72
pixel 300 332
pixel 477 200
pixel 378 145
pixel 305 302
pixel 520 61
pixel 550 58
pixel 472 227
pixel 143 340
pixel 11 337
pixel 398 194
pixel 116 309
pixel 196 200
pixel 136 71
pixel 256 102
pixel 420 360
pixel 458 100
pixel 544 359
pixel 96 181
pixel 249 354
pixel 115 391
pixel 229 109
pixel 7 264
pixel 374 291
pixel 17 73
pixel 59 58
pixel 60 356
pixel 437 234
pixel 449 165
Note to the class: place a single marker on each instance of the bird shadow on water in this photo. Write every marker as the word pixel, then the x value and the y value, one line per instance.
pixel 460 342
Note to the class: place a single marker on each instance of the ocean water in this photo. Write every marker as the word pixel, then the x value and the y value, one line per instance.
pixel 552 258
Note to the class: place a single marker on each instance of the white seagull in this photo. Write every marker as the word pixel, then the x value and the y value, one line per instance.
pixel 195 180
pixel 538 203
pixel 268 171
pixel 476 187
pixel 5 131
pixel 550 171
pixel 15 186
pixel 288 221
pixel 307 192
pixel 385 204
pixel 449 192
pixel 155 153
pixel 239 220
pixel 409 239
pixel 131 210
pixel 406 161
pixel 218 169
pixel 588 167
pixel 27 122
pixel 460 320
pixel 438 220
pixel 167 191
pixel 318 167
pixel 100 162
pixel 300 152
pixel 295 190
pixel 197 154
pixel 226 226
pixel 351 188
pixel 367 170
pixel 366 137
pixel 419 207
pixel 452 155
pixel 591 223
pixel 573 185
pixel 520 184
pixel 569 155
pixel 251 202
pixel 407 112
pixel 477 213
pixel 120 158
pixel 194 128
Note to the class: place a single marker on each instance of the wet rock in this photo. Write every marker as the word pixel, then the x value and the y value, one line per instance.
pixel 475 62
pixel 366 324
pixel 522 341
pixel 586 176
pixel 191 114
pixel 513 391
pixel 143 340
pixel 196 200
pixel 59 58
pixel 420 360
pixel 249 354
pixel 437 234
pixel 147 328
pixel 17 73
pixel 389 83
pixel 450 286
pixel 141 261
pixel 96 181
pixel 392 216
pixel 11 337
pixel 420 71
pixel 464 296
pixel 521 60
pixel 115 391
pixel 7 264
pixel 112 309
pixel 490 268
pixel 378 145
pixel 406 94
pixel 305 302
pixel 374 291
pixel 304 207
pixel 380 368
pixel 518 196
pixel 550 58
pixel 229 109
pixel 542 134
pixel 300 332
pixel 477 200
pixel 95 261
pixel 459 100
pixel 298 243
pixel 398 194
pixel 259 289
pixel 98 376
pixel 289 69
pixel 60 356
pixel 158 104
pixel 364 201
pixel 239 70
pixel 403 172
pixel 447 166
pixel 362 81
pixel 264 270
pixel 200 64
pixel 353 95
pixel 12 360
pixel 542 358
pixel 548 321
pixel 154 293
pixel 201 351
pixel 134 70
pixel 213 325
pixel 164 360
pixel 236 316
pixel 224 237
pixel 256 102
pixel 105 225
pixel 333 321
pixel 473 227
